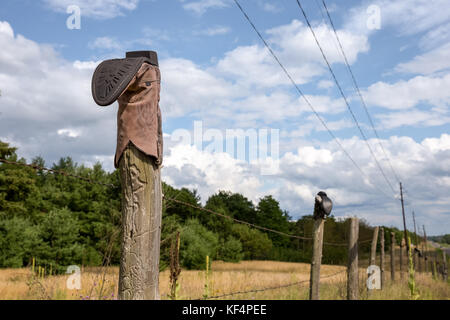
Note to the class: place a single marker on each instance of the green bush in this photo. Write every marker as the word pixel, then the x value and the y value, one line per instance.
pixel 59 232
pixel 197 243
pixel 230 250
pixel 255 244
pixel 18 242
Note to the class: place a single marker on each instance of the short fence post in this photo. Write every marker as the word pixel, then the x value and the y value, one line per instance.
pixel 444 265
pixel 392 256
pixel 352 269
pixel 316 259
pixel 425 254
pixel 322 208
pixel 402 244
pixel 382 256
pixel 373 251
pixel 433 267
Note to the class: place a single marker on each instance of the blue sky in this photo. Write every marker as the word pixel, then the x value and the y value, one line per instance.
pixel 216 70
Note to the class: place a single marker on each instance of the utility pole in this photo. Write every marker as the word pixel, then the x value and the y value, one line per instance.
pixel 404 219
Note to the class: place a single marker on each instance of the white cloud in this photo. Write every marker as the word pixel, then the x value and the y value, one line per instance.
pixel 85 65
pixel 325 84
pixel 429 62
pixel 105 43
pixel 201 6
pixel 324 167
pixel 270 6
pixel 56 105
pixel 298 44
pixel 403 95
pixel 71 133
pixel 408 16
pixel 416 118
pixel 189 88
pixel 297 50
pixel 214 31
pixel 100 9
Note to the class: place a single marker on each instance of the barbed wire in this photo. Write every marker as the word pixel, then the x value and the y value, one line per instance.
pixel 251 224
pixel 269 288
pixel 61 172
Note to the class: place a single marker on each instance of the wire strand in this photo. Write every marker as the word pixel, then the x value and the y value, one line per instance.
pixel 357 88
pixel 343 96
pixel 304 97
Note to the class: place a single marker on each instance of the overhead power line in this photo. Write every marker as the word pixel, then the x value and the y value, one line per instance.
pixel 343 95
pixel 304 97
pixel 358 90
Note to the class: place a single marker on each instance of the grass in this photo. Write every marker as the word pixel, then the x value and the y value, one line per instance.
pixel 101 283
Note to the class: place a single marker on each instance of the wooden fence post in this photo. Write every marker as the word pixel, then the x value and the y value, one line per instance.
pixel 392 256
pixel 141 226
pixel 316 259
pixel 433 266
pixel 373 251
pixel 425 254
pixel 444 265
pixel 382 256
pixel 402 244
pixel 352 268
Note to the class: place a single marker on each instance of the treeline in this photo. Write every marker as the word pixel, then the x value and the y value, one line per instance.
pixel 441 239
pixel 60 221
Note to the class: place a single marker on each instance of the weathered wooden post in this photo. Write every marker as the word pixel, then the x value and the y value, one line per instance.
pixel 425 254
pixel 433 266
pixel 402 245
pixel 444 265
pixel 382 256
pixel 373 250
pixel 322 208
pixel 352 268
pixel 392 256
pixel 135 82
pixel 373 253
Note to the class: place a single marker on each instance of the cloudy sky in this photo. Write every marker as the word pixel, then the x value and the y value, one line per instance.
pixel 216 73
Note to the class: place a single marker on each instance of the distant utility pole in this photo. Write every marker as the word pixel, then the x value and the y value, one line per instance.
pixel 404 219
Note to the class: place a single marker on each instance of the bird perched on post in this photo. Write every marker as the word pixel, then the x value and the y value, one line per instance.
pixel 322 205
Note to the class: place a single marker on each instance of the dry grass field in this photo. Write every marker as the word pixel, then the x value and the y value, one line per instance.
pixel 101 283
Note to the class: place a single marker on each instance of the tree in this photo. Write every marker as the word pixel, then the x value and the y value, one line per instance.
pixel 271 216
pixel 255 244
pixel 197 243
pixel 59 232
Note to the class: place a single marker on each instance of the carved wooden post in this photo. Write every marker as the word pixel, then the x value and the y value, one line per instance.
pixel 135 82
pixel 322 208
pixel 352 268
pixel 392 256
